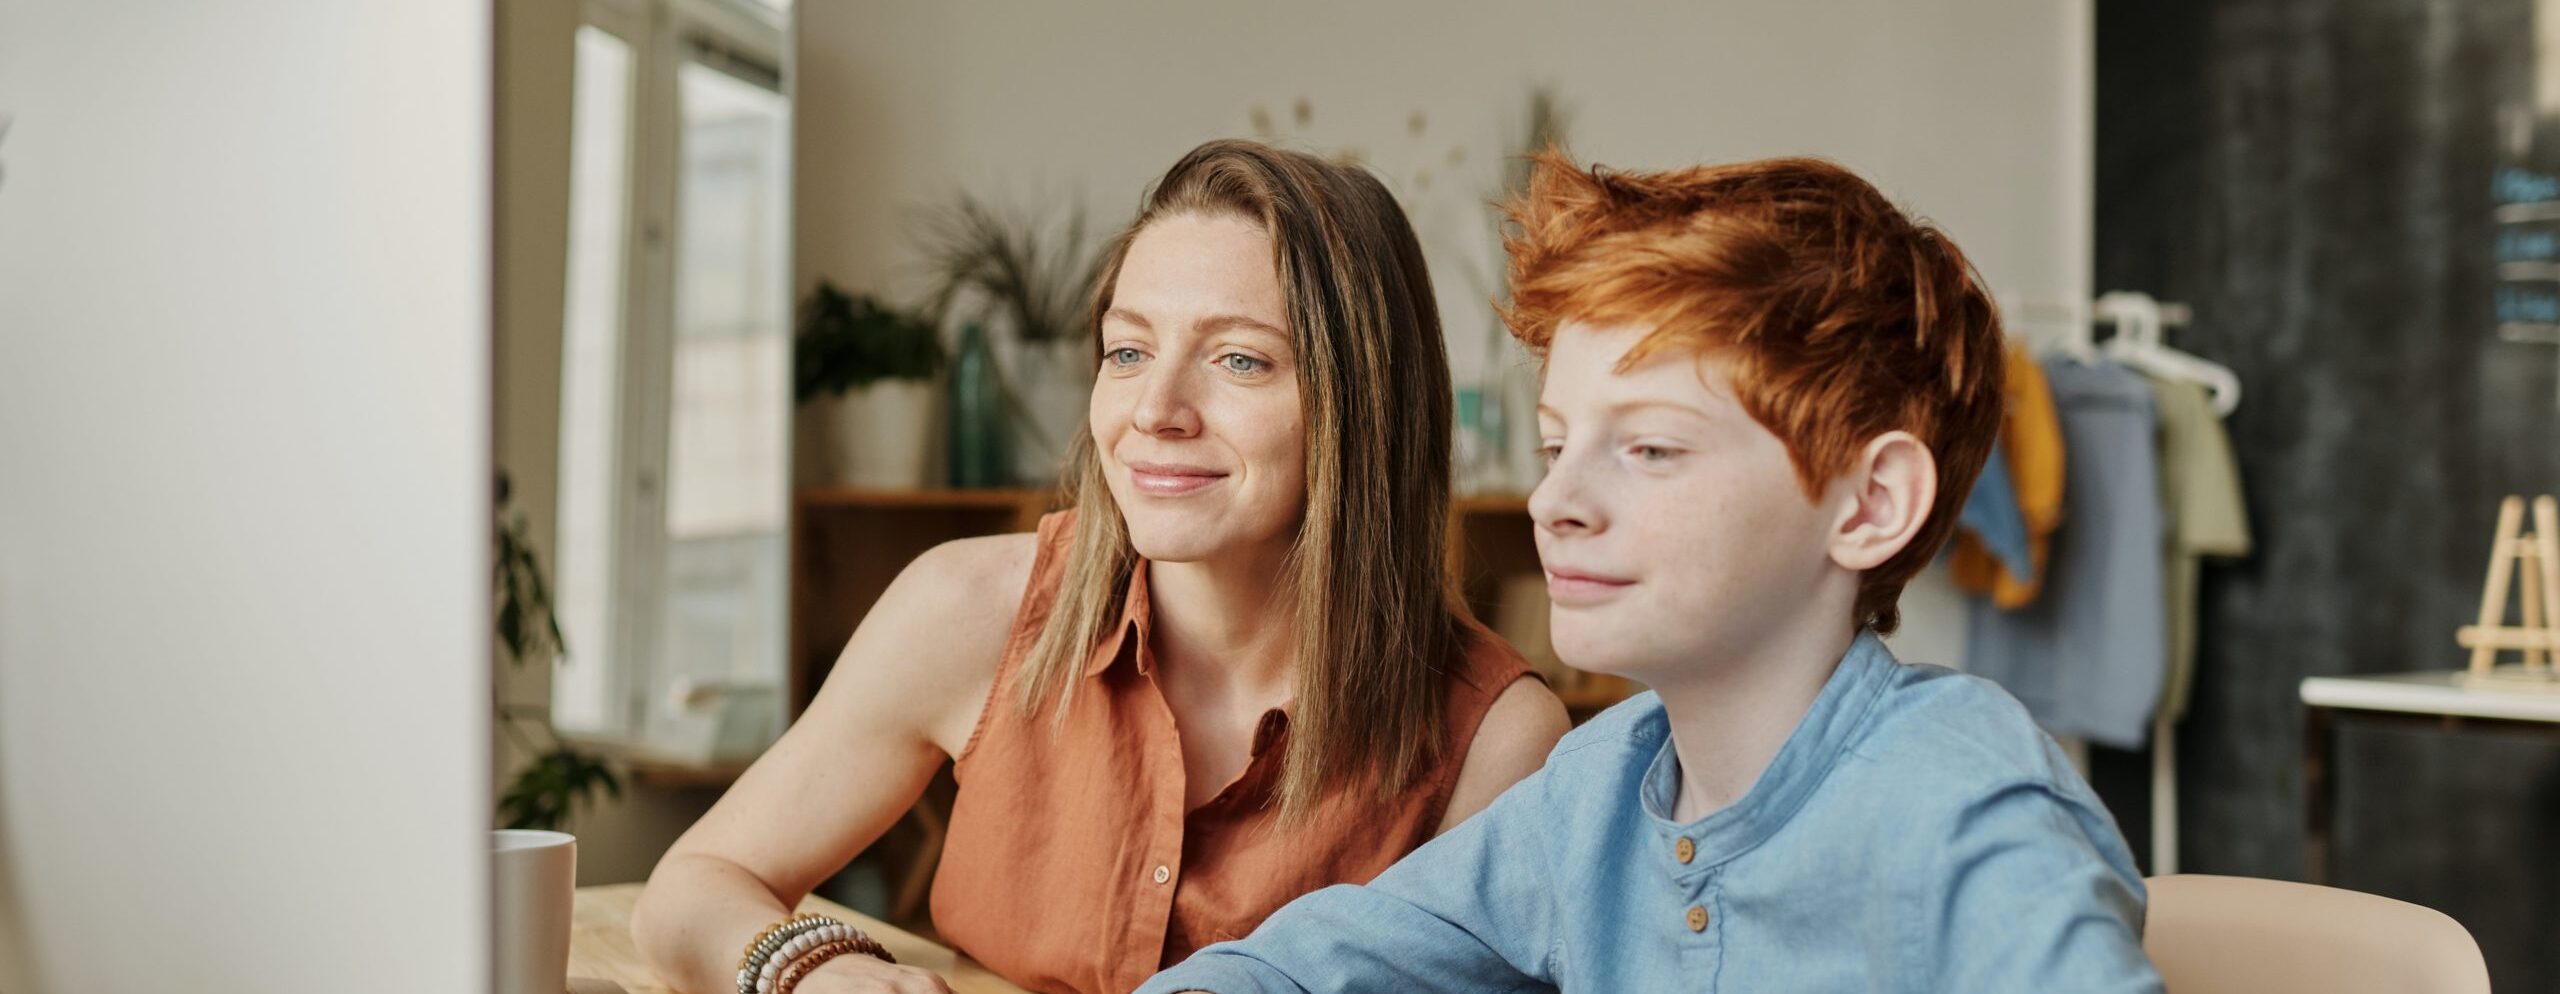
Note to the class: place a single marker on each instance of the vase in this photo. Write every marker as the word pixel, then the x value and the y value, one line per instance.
pixel 877 437
pixel 977 415
pixel 1515 385
pixel 1052 383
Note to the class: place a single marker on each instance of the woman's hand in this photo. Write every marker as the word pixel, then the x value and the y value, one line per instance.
pixel 854 973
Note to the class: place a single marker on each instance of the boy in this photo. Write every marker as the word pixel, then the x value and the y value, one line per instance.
pixel 1767 392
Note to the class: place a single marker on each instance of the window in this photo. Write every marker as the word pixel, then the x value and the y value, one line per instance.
pixel 728 458
pixel 591 377
pixel 676 385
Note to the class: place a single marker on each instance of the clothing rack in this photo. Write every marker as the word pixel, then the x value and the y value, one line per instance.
pixel 2066 327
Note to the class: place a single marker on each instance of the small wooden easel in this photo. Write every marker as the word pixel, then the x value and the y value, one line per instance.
pixel 2537 556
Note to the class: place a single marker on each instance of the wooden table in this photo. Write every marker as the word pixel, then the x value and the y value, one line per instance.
pixel 2434 700
pixel 602 960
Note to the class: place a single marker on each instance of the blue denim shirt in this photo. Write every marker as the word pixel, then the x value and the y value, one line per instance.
pixel 1916 832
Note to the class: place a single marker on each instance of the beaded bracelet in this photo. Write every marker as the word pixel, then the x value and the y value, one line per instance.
pixel 788 942
pixel 782 958
pixel 816 957
pixel 766 943
pixel 760 950
pixel 799 950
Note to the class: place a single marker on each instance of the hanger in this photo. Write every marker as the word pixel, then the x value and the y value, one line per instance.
pixel 2139 322
pixel 2050 328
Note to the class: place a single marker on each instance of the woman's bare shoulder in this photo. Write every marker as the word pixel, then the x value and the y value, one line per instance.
pixel 1512 741
pixel 975 579
pixel 930 647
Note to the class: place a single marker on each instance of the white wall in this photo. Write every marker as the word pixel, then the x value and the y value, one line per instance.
pixel 244 532
pixel 1973 112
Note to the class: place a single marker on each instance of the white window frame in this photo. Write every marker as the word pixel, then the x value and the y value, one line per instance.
pixel 662 35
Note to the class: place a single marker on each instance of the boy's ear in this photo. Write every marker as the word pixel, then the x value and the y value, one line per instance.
pixel 1882 500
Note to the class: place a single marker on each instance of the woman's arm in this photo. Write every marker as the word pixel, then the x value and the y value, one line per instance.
pixel 904 697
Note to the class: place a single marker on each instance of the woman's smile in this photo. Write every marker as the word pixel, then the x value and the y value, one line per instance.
pixel 1172 479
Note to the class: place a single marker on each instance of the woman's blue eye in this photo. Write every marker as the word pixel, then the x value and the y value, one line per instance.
pixel 1237 362
pixel 1123 356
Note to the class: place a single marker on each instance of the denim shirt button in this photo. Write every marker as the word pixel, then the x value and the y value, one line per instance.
pixel 1685 850
pixel 1697 918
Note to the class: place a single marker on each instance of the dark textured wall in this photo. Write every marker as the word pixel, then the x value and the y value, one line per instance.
pixel 2315 179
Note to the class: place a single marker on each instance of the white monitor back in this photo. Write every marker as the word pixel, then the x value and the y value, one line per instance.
pixel 244 496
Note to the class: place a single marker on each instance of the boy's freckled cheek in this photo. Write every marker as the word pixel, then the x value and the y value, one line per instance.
pixel 1649 517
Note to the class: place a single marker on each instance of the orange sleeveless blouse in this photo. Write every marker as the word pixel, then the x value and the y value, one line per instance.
pixel 1071 865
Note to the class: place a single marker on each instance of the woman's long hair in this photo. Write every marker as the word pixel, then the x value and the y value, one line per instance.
pixel 1377 618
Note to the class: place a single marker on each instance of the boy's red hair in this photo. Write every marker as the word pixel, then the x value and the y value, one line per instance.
pixel 1843 317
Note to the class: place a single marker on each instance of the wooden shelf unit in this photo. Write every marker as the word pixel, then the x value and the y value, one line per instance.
pixel 847 545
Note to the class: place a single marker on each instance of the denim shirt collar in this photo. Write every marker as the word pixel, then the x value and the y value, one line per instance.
pixel 1827 731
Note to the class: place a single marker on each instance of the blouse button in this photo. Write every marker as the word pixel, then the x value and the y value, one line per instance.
pixel 1685 850
pixel 1697 918
pixel 1163 873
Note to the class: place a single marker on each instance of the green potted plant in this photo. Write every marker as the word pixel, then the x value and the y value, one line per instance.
pixel 864 372
pixel 1028 278
pixel 560 778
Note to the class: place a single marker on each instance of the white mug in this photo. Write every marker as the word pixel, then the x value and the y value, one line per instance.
pixel 533 883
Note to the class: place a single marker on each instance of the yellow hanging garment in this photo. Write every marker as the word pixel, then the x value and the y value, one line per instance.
pixel 2031 440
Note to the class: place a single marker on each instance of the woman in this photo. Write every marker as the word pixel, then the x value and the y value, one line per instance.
pixel 1234 672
